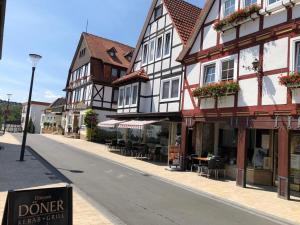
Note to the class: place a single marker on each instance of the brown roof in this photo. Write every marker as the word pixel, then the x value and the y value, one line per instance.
pixel 37 103
pixel 135 76
pixel 99 47
pixel 184 16
pixel 199 23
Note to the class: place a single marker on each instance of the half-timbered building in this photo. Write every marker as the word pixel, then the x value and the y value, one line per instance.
pixel 238 101
pixel 151 90
pixel 96 64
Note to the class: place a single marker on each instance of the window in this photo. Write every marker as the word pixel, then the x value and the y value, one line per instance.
pixel 159 47
pixel 145 53
pixel 82 53
pixel 152 50
pixel 134 94
pixel 123 73
pixel 114 72
pixel 158 12
pixel 127 95
pixel 229 7
pixel 209 73
pixel 167 47
pixel 175 88
pixel 84 94
pixel 121 96
pixel 227 70
pixel 116 94
pixel 273 1
pixel 165 89
pixel 170 88
pixel 297 58
pixel 250 2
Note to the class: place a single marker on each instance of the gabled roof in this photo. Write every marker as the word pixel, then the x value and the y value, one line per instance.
pixel 37 103
pixel 184 16
pixel 199 23
pixel 132 77
pixel 99 48
pixel 58 103
pixel 179 13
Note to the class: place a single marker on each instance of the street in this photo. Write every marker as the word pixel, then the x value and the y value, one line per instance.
pixel 134 197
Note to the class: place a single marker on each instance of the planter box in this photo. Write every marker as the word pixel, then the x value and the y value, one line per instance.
pixel 233 25
pixel 293 85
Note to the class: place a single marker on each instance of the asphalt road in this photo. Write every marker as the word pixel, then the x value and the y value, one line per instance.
pixel 137 198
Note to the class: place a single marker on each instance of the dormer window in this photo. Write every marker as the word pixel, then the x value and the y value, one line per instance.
pixel 112 52
pixel 158 12
pixel 82 53
pixel 128 56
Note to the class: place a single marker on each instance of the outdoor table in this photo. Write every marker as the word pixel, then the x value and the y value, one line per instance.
pixel 203 159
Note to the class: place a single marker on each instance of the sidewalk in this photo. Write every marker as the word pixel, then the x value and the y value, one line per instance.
pixel 33 174
pixel 258 199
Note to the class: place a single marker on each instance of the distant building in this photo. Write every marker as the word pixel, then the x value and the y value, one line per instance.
pixel 36 111
pixel 96 64
pixel 53 116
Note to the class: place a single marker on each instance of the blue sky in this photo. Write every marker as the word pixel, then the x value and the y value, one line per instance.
pixel 52 29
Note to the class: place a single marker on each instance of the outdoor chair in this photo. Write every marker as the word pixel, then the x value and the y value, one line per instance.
pixel 209 169
pixel 193 162
pixel 113 144
pixel 220 166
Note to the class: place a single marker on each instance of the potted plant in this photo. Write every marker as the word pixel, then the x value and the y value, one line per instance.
pixel 238 17
pixel 292 80
pixel 223 88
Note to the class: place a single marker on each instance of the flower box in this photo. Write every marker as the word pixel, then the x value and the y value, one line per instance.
pixel 224 88
pixel 292 80
pixel 239 17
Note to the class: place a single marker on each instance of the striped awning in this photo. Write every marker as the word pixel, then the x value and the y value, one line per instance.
pixel 110 123
pixel 137 124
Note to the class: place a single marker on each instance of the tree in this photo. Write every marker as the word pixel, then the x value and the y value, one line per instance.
pixel 91 121
pixel 31 127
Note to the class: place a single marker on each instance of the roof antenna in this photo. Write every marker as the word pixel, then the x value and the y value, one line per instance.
pixel 86 26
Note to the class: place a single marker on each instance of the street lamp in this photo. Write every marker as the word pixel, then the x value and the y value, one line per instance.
pixel 6 112
pixel 34 59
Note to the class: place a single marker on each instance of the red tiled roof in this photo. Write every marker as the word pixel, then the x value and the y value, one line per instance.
pixel 135 76
pixel 184 16
pixel 99 47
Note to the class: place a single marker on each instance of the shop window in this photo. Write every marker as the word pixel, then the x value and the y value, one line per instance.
pixel 228 145
pixel 229 7
pixel 250 2
pixel 227 70
pixel 152 51
pixel 167 46
pixel 145 53
pixel 159 42
pixel 158 12
pixel 209 73
pixel 295 162
pixel 134 95
pixel 272 1
pixel 121 96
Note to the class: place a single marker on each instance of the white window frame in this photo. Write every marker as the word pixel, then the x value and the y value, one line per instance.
pixel 170 89
pixel 125 95
pixel 293 48
pixel 121 90
pixel 221 64
pixel 224 7
pixel 161 47
pixel 204 74
pixel 137 95
pixel 244 3
pixel 218 62
pixel 170 44
pixel 145 61
pixel 152 41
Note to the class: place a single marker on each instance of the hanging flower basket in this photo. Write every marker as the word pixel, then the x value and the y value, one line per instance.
pixel 292 80
pixel 238 17
pixel 220 89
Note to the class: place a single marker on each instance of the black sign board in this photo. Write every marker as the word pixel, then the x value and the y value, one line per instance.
pixel 50 206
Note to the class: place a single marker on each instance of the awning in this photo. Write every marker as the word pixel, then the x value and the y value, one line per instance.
pixel 110 123
pixel 137 124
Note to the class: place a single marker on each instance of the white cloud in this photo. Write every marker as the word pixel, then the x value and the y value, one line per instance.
pixel 50 95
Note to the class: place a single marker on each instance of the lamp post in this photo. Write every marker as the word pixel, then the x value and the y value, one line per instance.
pixel 6 112
pixel 34 59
